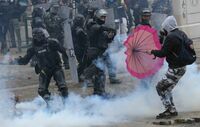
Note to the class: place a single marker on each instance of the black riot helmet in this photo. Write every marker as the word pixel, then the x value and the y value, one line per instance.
pixel 54 9
pixel 39 36
pixel 38 12
pixel 91 11
pixel 79 20
pixel 38 22
pixel 100 16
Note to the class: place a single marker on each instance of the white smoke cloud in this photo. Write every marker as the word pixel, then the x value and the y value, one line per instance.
pixel 6 97
pixel 83 112
pixel 95 111
pixel 187 92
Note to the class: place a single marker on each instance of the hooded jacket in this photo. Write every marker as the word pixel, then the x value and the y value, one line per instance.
pixel 169 24
pixel 173 42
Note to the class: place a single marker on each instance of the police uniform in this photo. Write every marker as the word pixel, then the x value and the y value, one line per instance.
pixel 80 41
pixel 55 27
pixel 49 63
pixel 99 40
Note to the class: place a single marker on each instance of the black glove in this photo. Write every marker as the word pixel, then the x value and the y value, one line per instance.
pixel 162 35
pixel 163 32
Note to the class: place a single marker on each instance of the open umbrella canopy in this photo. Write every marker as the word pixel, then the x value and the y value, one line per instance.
pixel 140 64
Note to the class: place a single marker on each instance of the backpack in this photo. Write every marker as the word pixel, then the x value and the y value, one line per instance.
pixel 186 55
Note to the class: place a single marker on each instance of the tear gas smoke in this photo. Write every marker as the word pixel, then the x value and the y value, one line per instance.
pixel 6 97
pixel 94 111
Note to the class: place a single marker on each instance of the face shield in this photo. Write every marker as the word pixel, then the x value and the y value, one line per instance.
pixel 101 15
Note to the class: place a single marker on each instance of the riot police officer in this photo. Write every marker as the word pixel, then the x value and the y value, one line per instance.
pixel 38 22
pixel 49 63
pixel 55 27
pixel 38 17
pixel 80 40
pixel 107 59
pixel 100 36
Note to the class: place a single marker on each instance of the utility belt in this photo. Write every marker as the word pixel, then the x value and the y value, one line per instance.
pixel 39 69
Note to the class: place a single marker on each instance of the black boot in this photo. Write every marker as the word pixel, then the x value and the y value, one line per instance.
pixel 167 114
pixel 64 93
pixel 47 99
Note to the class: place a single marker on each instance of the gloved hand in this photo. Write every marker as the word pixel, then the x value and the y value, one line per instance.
pixel 162 35
pixel 163 32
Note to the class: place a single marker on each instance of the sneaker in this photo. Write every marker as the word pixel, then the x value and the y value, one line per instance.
pixel 167 115
pixel 114 81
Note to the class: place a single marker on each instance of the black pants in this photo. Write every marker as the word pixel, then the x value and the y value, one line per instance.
pixel 45 78
pixel 82 62
pixel 99 78
pixel 64 58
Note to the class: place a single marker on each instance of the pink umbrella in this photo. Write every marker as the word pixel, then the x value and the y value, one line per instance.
pixel 140 64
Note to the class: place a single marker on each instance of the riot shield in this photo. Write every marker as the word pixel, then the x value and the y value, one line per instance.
pixel 97 3
pixel 110 19
pixel 68 43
